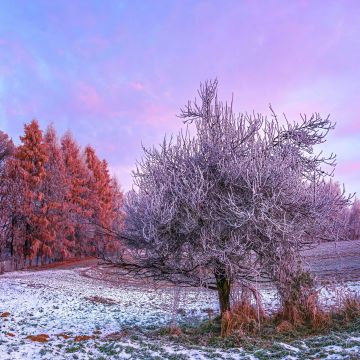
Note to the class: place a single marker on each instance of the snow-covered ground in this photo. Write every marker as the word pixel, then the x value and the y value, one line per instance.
pixel 64 304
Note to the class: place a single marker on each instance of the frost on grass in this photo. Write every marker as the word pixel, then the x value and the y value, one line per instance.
pixel 60 314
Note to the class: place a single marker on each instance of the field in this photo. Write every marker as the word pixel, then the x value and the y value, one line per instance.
pixel 85 311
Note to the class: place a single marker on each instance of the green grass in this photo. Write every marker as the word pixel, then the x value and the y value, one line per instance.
pixel 208 334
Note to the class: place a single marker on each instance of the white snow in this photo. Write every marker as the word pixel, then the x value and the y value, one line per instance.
pixel 289 347
pixel 55 302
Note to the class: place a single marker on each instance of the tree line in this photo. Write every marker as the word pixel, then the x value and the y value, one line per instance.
pixel 57 201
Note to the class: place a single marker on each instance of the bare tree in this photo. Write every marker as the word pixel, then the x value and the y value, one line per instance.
pixel 228 198
pixel 7 149
pixel 354 221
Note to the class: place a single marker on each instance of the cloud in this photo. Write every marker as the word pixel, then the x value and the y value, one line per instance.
pixel 117 73
pixel 88 99
pixel 136 85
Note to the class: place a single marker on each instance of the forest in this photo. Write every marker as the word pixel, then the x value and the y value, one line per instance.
pixel 57 200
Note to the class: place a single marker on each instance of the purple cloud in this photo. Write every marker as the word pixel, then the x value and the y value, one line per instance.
pixel 116 72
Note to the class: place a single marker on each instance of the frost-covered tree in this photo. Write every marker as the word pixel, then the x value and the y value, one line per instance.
pixel 7 149
pixel 354 221
pixel 232 199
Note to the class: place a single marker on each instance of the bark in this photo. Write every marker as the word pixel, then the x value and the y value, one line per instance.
pixel 223 285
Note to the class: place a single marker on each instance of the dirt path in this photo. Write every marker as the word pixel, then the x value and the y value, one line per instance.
pixel 67 264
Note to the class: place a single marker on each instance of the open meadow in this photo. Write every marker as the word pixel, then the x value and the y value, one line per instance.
pixel 87 311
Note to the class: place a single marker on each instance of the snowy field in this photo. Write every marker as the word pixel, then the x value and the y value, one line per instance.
pixel 81 317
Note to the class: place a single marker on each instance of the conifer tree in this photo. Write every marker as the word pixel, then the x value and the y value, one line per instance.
pixel 7 149
pixel 354 221
pixel 56 202
pixel 13 217
pixel 56 188
pixel 79 196
pixel 32 156
pixel 102 199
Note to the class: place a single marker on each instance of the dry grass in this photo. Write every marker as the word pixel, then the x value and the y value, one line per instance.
pixel 39 338
pixel 116 336
pixel 101 300
pixel 243 318
pixel 175 331
pixel 306 313
pixel 83 338
pixel 300 304
pixel 305 316
pixel 284 327
pixel 351 308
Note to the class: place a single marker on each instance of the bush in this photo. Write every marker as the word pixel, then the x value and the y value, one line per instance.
pixel 300 304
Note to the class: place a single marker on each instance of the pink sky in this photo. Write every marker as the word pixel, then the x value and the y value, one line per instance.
pixel 115 73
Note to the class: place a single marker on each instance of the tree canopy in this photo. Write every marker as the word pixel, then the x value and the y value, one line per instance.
pixel 233 198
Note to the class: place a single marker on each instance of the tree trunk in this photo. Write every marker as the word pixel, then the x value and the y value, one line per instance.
pixel 223 285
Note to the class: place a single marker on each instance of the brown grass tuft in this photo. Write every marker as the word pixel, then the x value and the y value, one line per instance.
pixel 10 334
pixel 241 319
pixel 115 336
pixel 285 327
pixel 307 313
pixel 39 338
pixel 351 307
pixel 175 331
pixel 5 314
pixel 300 306
pixel 101 300
pixel 83 338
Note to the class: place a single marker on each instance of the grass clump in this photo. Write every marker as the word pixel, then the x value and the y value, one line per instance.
pixel 245 326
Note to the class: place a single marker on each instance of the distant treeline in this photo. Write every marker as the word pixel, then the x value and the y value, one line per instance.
pixel 57 201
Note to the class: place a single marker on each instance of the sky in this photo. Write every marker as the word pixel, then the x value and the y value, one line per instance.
pixel 116 73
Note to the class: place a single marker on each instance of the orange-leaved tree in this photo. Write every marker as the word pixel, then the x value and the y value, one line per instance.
pixel 32 156
pixel 56 187
pixel 103 201
pixel 79 197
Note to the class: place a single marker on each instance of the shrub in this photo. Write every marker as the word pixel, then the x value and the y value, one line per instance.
pixel 300 304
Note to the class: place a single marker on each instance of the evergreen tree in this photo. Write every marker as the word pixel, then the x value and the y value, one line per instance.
pixel 102 199
pixel 32 156
pixel 79 196
pixel 56 188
